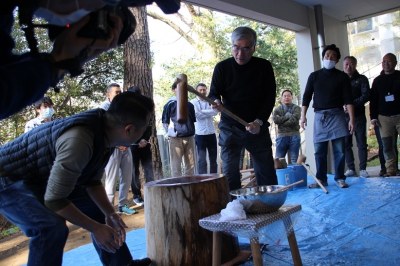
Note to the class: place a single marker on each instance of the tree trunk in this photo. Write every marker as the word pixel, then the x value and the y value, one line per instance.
pixel 173 208
pixel 137 66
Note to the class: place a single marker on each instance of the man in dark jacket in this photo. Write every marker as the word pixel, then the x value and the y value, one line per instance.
pixel 246 86
pixel 360 91
pixel 180 135
pixel 52 174
pixel 385 109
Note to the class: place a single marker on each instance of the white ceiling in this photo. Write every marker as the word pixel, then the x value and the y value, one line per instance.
pixel 294 14
pixel 344 9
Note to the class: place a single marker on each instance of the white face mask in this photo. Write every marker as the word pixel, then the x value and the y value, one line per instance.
pixel 328 64
pixel 58 19
pixel 47 113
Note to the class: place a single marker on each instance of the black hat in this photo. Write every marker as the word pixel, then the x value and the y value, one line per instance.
pixel 134 89
pixel 45 99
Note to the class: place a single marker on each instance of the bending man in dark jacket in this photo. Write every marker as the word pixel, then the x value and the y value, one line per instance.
pixel 53 173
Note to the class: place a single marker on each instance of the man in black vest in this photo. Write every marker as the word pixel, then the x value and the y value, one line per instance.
pixel 52 174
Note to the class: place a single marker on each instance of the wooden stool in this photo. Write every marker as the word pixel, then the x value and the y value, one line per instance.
pixel 251 228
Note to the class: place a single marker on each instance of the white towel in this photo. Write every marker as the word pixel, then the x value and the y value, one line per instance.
pixel 233 211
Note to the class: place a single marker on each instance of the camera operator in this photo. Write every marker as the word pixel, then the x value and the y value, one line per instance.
pixel 25 78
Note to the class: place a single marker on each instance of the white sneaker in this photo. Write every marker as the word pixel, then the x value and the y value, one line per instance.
pixel 349 173
pixel 364 173
pixel 138 201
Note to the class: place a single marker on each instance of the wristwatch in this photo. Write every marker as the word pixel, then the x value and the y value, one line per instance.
pixel 259 121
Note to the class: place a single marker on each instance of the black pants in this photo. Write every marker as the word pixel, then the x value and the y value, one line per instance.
pixel 143 156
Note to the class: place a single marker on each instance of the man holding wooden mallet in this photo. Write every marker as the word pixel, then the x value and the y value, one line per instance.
pixel 245 85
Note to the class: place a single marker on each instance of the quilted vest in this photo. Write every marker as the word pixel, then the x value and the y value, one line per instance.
pixel 31 155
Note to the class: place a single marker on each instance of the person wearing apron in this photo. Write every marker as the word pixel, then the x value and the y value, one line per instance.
pixel 330 89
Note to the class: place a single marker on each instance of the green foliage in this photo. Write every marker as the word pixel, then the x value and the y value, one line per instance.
pixel 213 29
pixel 10 231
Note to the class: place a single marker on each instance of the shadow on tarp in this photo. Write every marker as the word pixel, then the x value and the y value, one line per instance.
pixel 359 225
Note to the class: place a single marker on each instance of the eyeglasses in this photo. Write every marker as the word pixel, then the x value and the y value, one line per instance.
pixel 388 62
pixel 246 49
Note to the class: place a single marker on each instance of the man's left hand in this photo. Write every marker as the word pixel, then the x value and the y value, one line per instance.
pixel 351 127
pixel 114 220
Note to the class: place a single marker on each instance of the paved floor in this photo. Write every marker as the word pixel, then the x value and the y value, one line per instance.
pixel 354 226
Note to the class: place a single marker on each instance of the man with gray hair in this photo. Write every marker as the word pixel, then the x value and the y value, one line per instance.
pixel 246 86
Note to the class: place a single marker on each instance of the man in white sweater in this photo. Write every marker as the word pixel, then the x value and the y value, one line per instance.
pixel 205 137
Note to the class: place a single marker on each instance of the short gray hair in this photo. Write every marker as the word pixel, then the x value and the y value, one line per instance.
pixel 244 33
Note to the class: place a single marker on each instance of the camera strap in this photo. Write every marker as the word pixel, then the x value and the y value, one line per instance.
pixel 25 20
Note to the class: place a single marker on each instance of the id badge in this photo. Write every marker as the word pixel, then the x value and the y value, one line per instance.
pixel 389 98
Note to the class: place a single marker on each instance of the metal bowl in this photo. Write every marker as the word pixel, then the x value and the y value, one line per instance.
pixel 261 199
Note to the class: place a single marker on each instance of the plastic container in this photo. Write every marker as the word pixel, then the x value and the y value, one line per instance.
pixel 285 176
pixel 291 174
pixel 299 173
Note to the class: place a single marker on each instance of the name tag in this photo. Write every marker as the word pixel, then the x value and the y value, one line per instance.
pixel 389 98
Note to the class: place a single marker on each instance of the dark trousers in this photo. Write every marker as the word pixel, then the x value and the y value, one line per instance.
pixel 141 156
pixel 232 140
pixel 206 143
pixel 360 128
pixel 321 158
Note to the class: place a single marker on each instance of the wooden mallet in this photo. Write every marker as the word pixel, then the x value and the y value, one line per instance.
pixel 181 98
pixel 301 160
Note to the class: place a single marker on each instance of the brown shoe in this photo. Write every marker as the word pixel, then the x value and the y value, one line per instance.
pixel 389 174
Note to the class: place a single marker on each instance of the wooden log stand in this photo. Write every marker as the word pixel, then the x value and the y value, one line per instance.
pixel 173 208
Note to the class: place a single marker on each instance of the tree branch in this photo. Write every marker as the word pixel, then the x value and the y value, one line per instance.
pixel 174 26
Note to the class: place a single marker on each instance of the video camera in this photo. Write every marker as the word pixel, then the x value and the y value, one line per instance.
pixel 100 24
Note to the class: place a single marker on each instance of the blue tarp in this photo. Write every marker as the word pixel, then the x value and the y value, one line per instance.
pixel 359 225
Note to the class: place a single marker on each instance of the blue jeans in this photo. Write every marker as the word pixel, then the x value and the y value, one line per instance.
pixel 289 144
pixel 321 158
pixel 232 140
pixel 360 126
pixel 21 204
pixel 206 143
